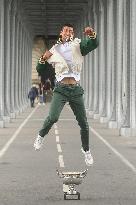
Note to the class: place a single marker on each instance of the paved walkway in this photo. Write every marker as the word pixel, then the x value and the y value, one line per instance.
pixel 29 177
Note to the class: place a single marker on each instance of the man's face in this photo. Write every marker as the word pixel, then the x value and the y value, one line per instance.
pixel 67 33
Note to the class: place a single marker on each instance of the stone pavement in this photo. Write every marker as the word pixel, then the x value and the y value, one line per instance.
pixel 29 177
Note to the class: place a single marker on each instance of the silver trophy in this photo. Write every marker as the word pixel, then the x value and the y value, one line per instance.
pixel 70 180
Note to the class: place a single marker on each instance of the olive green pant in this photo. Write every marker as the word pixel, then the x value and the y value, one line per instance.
pixel 74 95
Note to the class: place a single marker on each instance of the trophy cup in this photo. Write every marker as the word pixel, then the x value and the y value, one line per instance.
pixel 70 181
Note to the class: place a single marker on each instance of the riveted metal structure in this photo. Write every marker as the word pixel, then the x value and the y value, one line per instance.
pixel 108 76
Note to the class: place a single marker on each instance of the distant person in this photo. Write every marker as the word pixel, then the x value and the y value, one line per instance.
pixel 32 95
pixel 36 90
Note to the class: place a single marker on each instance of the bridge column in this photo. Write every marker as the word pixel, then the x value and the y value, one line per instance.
pixel 119 65
pixel 28 66
pixel 110 65
pixel 112 55
pixel 101 61
pixel 1 63
pixel 81 27
pixel 7 69
pixel 20 68
pixel 91 65
pixel 122 66
pixel 96 76
pixel 128 127
pixel 16 87
pixel 24 69
pixel 12 57
pixel 86 63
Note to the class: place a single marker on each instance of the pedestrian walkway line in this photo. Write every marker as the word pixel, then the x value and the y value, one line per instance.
pixel 56 132
pixel 60 157
pixel 118 154
pixel 57 138
pixel 122 158
pixel 7 145
pixel 59 148
pixel 61 161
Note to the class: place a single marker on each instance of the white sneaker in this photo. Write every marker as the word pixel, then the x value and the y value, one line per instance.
pixel 38 142
pixel 88 157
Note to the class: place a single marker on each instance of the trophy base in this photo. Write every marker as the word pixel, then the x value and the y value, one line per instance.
pixel 68 196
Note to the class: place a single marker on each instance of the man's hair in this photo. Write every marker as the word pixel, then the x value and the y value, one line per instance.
pixel 68 25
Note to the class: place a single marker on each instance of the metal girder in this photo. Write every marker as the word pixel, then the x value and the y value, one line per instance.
pixel 46 15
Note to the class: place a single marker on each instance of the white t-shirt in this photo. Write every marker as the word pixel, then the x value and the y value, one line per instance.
pixel 65 51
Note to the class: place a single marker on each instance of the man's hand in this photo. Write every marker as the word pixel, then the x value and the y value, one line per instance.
pixel 47 55
pixel 89 31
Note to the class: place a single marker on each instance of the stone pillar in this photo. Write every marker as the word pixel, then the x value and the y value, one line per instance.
pixel 128 128
pixel 133 66
pixel 7 69
pixel 1 63
pixel 30 59
pixel 82 37
pixel 112 117
pixel 103 47
pixel 15 60
pixel 21 67
pixel 101 61
pixel 12 59
pixel 28 65
pixel 26 68
pixel 16 88
pixel 86 65
pixel 24 75
pixel 19 64
pixel 109 54
pixel 91 64
pixel 110 67
pixel 95 67
pixel 119 61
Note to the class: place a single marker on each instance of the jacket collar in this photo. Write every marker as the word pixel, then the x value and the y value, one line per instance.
pixel 59 41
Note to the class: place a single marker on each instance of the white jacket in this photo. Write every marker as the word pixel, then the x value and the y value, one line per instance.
pixel 59 62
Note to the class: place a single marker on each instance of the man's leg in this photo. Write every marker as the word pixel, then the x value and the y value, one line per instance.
pixel 31 102
pixel 57 104
pixel 77 105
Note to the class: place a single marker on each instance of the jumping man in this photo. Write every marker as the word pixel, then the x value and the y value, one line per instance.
pixel 67 56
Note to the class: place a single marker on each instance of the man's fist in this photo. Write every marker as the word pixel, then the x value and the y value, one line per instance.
pixel 47 55
pixel 89 31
